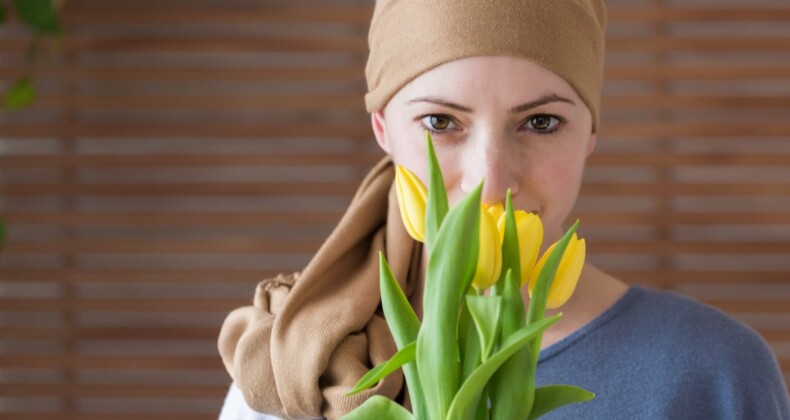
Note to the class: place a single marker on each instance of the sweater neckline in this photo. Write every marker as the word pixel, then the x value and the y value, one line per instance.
pixel 634 292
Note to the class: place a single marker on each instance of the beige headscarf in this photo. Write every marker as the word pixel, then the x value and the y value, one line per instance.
pixel 309 337
pixel 409 37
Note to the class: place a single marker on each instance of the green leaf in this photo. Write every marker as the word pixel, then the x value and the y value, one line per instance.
pixel 401 318
pixel 437 206
pixel 485 312
pixel 378 407
pixel 513 384
pixel 403 356
pixel 451 267
pixel 469 393
pixel 511 260
pixel 405 327
pixel 39 15
pixel 468 341
pixel 20 94
pixel 549 397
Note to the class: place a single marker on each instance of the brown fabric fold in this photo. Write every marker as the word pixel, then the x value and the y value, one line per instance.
pixel 309 336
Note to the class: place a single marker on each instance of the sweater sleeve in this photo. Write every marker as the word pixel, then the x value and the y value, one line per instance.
pixel 749 382
pixel 736 374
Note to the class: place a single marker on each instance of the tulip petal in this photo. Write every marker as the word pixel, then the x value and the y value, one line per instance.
pixel 411 193
pixel 489 262
pixel 530 237
pixel 567 274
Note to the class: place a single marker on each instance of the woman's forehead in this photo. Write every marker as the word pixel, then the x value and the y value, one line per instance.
pixel 500 78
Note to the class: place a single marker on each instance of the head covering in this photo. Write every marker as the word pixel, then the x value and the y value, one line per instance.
pixel 410 37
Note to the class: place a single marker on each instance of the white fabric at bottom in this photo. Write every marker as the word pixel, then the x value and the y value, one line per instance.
pixel 235 408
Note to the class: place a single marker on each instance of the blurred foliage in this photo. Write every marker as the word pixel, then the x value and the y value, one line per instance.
pixel 42 18
pixel 20 94
pixel 40 15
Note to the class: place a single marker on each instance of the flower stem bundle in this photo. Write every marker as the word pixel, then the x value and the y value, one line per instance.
pixel 475 353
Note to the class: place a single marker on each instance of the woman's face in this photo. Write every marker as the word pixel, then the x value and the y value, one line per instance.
pixel 503 119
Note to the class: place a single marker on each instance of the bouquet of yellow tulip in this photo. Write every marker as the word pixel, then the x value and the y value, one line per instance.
pixel 475 353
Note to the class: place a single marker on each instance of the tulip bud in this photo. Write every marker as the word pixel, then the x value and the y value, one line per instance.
pixel 529 229
pixel 489 260
pixel 412 200
pixel 567 275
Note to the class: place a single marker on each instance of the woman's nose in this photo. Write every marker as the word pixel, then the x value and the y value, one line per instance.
pixel 497 167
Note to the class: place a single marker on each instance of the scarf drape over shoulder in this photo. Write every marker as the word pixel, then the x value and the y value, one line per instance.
pixel 311 335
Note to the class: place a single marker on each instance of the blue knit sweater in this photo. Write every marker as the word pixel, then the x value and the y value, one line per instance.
pixel 654 354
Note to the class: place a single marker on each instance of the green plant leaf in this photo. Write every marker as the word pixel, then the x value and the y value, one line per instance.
pixel 378 407
pixel 20 94
pixel 39 15
pixel 485 312
pixel 549 397
pixel 437 206
pixel 468 395
pixel 402 320
pixel 512 385
pixel 405 326
pixel 511 260
pixel 403 356
pixel 451 267
pixel 468 341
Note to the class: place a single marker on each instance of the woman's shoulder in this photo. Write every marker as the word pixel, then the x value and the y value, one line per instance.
pixel 704 334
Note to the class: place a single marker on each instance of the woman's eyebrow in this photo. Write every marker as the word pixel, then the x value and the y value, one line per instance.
pixel 515 110
pixel 540 101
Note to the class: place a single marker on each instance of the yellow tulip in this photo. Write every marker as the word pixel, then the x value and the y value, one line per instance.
pixel 529 230
pixel 489 257
pixel 567 275
pixel 412 200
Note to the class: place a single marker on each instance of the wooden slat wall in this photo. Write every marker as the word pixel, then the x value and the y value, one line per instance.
pixel 183 150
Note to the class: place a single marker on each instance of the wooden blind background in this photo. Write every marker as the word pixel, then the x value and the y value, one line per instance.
pixel 181 151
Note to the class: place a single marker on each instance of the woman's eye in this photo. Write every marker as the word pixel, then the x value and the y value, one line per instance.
pixel 437 122
pixel 543 123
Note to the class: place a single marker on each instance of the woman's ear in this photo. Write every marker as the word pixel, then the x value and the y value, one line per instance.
pixel 591 143
pixel 380 130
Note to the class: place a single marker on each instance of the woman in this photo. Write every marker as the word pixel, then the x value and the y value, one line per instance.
pixel 510 92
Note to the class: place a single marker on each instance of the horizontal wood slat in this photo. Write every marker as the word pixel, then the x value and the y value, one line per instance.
pixel 346 103
pixel 345 189
pixel 119 305
pixel 361 130
pixel 166 363
pixel 251 277
pixel 361 15
pixel 352 74
pixel 363 161
pixel 324 217
pixel 294 246
pixel 112 390
pixel 359 45
pixel 139 275
pixel 111 333
pixel 185 73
